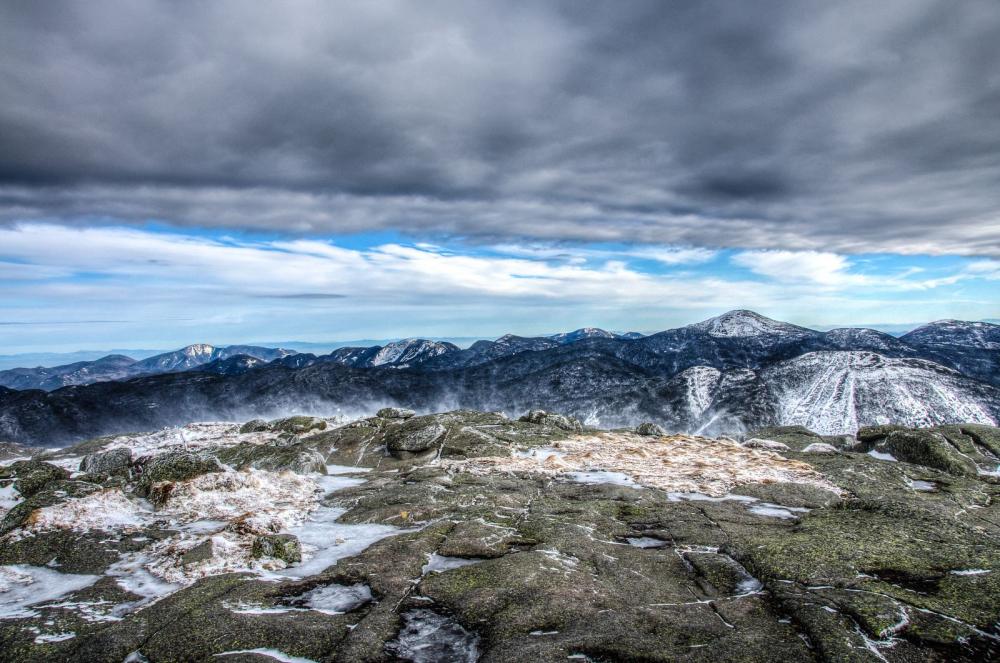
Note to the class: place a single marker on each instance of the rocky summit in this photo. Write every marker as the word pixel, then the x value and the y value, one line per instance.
pixel 467 536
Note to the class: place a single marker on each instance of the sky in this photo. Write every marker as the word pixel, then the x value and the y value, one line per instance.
pixel 229 172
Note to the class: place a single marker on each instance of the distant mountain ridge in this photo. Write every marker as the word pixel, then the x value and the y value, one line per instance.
pixel 120 367
pixel 738 371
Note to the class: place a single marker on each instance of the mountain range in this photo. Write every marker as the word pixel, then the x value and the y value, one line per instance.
pixel 121 367
pixel 728 374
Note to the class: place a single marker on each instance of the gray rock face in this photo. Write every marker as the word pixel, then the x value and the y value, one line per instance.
pixel 901 565
pixel 650 429
pixel 416 435
pixel 285 547
pixel 395 413
pixel 117 462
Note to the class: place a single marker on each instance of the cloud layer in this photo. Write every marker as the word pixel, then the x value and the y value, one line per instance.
pixel 100 287
pixel 832 127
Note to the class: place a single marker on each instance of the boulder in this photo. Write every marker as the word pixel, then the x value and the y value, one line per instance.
pixel 650 429
pixel 298 425
pixel 295 457
pixel 278 546
pixel 544 418
pixel 200 553
pixel 770 445
pixel 116 462
pixel 820 448
pixel 926 447
pixel 414 436
pixel 175 466
pixel 255 426
pixel 32 476
pixel 395 413
pixel 873 433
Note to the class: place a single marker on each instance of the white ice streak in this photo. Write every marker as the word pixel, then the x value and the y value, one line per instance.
pixel 439 563
pixel 270 653
pixel 53 637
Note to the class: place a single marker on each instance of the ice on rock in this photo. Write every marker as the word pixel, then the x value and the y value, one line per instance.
pixel 331 483
pixel 439 563
pixel 107 510
pixel 9 497
pixel 645 542
pixel 23 586
pixel 336 599
pixel 777 511
pixel 53 637
pixel 346 469
pixel 280 656
pixel 882 456
pixel 427 637
pixel 325 541
pixel 603 476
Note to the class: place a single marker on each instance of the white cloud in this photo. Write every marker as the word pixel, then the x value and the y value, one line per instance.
pixel 818 267
pixel 667 255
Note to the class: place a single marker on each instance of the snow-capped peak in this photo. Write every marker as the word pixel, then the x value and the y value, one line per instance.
pixel 198 350
pixel 742 323
pixel 580 334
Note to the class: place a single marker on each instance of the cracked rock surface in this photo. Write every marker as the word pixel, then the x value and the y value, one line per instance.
pixel 495 540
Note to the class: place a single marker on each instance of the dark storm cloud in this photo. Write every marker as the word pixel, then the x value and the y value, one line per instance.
pixel 849 125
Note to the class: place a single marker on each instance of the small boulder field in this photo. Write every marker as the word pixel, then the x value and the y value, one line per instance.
pixel 470 536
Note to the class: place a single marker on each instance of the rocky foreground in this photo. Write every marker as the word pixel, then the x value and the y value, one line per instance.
pixel 467 536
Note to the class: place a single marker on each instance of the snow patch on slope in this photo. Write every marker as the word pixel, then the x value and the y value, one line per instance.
pixel 834 393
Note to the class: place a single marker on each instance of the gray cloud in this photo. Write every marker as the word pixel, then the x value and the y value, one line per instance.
pixel 845 126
